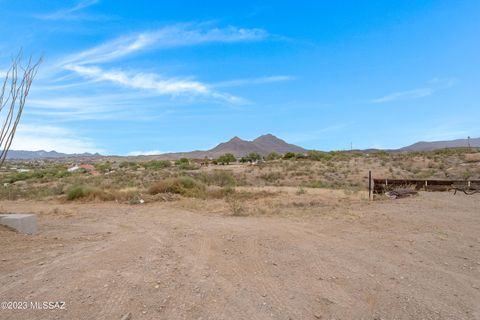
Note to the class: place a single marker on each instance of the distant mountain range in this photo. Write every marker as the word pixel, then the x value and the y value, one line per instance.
pixel 262 145
pixel 433 145
pixel 42 154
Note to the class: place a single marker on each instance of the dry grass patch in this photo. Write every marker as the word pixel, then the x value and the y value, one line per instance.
pixel 185 186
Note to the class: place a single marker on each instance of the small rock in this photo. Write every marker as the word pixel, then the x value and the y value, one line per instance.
pixel 126 316
pixel 157 286
pixel 318 316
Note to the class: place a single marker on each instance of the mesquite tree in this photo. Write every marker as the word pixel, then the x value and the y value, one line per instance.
pixel 13 94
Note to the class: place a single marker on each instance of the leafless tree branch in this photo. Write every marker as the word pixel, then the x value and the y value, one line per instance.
pixel 13 94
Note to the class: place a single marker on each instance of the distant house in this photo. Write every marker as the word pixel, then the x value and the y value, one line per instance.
pixel 73 169
pixel 87 167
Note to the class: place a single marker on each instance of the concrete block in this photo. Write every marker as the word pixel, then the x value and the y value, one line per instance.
pixel 22 222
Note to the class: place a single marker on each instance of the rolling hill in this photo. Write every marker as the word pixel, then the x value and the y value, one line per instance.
pixel 262 145
pixel 42 154
pixel 433 145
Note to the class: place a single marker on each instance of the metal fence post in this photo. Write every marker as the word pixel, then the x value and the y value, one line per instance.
pixel 369 185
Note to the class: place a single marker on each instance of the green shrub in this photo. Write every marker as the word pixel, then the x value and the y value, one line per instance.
pixel 103 167
pixel 182 161
pixel 128 164
pixel 289 155
pixel 253 156
pixel 319 155
pixel 226 158
pixel 157 164
pixel 185 164
pixel 87 192
pixel 43 174
pixel 272 156
pixel 78 192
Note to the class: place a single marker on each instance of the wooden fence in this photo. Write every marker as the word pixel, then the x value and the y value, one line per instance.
pixel 381 185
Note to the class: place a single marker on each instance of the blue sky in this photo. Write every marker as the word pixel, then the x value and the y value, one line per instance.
pixel 131 77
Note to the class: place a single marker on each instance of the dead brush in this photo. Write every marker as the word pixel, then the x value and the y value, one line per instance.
pixel 221 178
pixel 131 195
pixel 236 204
pixel 185 186
pixel 300 191
pixel 219 192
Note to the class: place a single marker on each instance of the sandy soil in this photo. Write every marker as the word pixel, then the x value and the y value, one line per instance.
pixel 415 258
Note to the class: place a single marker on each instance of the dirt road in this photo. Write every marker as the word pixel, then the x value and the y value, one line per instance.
pixel 413 258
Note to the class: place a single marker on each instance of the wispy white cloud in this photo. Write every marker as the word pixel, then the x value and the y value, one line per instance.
pixel 166 37
pixel 405 95
pixel 433 86
pixel 94 107
pixel 87 63
pixel 252 81
pixel 69 13
pixel 145 153
pixel 150 81
pixel 46 137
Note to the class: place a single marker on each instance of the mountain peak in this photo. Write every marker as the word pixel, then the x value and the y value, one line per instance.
pixel 263 145
pixel 266 137
pixel 236 139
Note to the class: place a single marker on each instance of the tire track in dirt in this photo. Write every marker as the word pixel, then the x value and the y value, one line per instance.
pixel 219 267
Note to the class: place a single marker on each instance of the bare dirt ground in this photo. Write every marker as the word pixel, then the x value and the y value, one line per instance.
pixel 416 258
